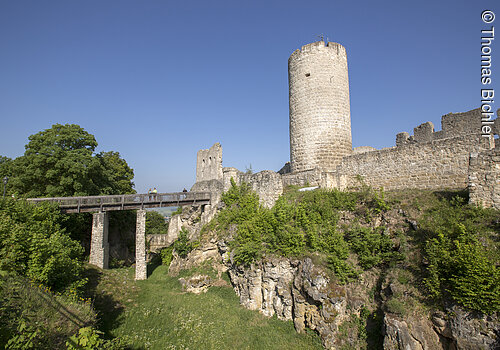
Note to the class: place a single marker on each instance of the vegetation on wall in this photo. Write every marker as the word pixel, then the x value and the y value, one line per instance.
pixel 458 242
pixel 300 223
pixel 183 246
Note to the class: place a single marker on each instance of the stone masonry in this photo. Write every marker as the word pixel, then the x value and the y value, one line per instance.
pixel 140 246
pixel 320 119
pixel 321 152
pixel 484 178
pixel 209 164
pixel 428 160
pixel 99 246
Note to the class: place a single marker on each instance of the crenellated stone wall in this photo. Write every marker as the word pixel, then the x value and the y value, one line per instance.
pixel 452 125
pixel 310 177
pixel 427 165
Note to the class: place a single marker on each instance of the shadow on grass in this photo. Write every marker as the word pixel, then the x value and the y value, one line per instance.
pixel 153 264
pixel 449 195
pixel 107 308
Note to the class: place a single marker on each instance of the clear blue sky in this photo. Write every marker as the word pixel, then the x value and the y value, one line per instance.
pixel 158 80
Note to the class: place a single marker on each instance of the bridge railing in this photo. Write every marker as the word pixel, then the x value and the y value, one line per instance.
pixel 126 200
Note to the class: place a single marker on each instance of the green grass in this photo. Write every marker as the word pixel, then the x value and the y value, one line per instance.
pixel 159 315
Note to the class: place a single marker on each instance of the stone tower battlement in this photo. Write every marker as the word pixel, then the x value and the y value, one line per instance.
pixel 320 118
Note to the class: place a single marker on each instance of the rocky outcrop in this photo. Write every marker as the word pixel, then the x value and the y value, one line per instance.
pixel 196 284
pixel 409 333
pixel 454 330
pixel 466 330
pixel 190 219
pixel 293 290
pixel 206 252
pixel 297 290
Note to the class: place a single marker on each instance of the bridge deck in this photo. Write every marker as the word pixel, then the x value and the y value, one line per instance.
pixel 126 201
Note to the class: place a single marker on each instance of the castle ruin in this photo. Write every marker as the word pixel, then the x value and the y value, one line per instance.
pixel 458 156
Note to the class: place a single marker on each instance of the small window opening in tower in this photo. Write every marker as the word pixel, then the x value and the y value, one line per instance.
pixel 308 74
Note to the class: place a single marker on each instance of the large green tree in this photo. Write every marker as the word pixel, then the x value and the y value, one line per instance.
pixel 61 161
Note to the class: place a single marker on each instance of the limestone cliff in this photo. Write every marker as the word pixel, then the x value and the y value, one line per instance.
pixel 363 314
pixel 297 290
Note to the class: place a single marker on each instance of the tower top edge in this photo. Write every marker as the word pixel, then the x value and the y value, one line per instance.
pixel 317 47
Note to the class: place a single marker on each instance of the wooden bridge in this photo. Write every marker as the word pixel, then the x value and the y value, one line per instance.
pixel 126 201
pixel 101 205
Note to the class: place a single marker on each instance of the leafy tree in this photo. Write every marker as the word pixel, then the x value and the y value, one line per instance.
pixel 60 161
pixel 155 223
pixel 115 175
pixel 4 161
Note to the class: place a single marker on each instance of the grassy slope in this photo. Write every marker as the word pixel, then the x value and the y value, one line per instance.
pixel 158 315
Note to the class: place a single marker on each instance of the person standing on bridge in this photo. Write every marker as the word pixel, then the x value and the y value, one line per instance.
pixel 154 192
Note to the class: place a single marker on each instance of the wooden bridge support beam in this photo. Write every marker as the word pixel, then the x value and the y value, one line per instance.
pixel 140 246
pixel 99 246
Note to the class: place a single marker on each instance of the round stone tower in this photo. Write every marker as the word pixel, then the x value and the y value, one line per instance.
pixel 320 117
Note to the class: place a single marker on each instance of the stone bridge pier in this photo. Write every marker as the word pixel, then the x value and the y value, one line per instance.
pixel 99 206
pixel 99 246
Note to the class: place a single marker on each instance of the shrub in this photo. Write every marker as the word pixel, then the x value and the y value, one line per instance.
pixel 461 253
pixel 474 281
pixel 396 306
pixel 372 246
pixel 177 211
pixel 166 255
pixel 182 245
pixel 298 222
pixel 33 244
pixel 88 338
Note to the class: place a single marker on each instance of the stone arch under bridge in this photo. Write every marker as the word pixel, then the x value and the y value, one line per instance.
pixel 99 206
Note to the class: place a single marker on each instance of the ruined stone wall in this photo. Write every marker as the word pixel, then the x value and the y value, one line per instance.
pixel 320 120
pixel 430 165
pixel 267 184
pixel 484 178
pixel 452 125
pixel 209 163
pixel 303 178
